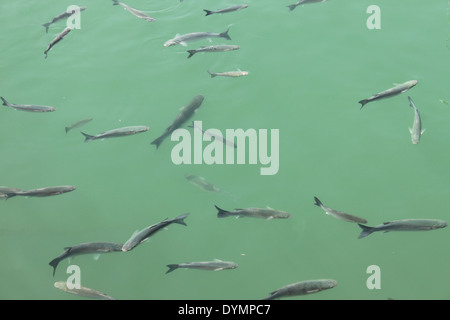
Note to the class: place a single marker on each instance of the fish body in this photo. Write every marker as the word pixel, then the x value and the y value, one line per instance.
pixel 185 113
pixel 78 124
pixel 189 37
pixel 404 225
pixel 58 38
pixel 302 288
pixel 45 192
pixel 300 2
pixel 338 214
pixel 233 74
pixel 416 131
pixel 60 16
pixel 216 48
pixel 264 213
pixel 85 248
pixel 27 107
pixel 215 265
pixel 390 92
pixel 201 183
pixel 82 291
pixel 133 11
pixel 141 236
pixel 120 132
pixel 229 9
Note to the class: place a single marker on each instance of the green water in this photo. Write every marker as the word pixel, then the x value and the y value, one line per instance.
pixel 307 71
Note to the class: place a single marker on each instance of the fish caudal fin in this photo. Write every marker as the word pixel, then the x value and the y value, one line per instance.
pixel 54 264
pixel 158 141
pixel 191 53
pixel 180 219
pixel 363 102
pixel 365 231
pixel 212 74
pixel 171 267
pixel 88 137
pixel 292 7
pixel 46 25
pixel 5 103
pixel 115 3
pixel 208 12
pixel 225 34
pixel 222 213
pixel 318 202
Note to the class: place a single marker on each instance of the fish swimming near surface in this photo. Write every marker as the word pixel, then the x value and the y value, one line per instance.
pixel 82 291
pixel 300 2
pixel 216 265
pixel 45 192
pixel 135 12
pixel 390 92
pixel 27 107
pixel 404 225
pixel 86 248
pixel 302 288
pixel 267 213
pixel 233 74
pixel 229 9
pixel 416 131
pixel 216 48
pixel 338 214
pixel 184 115
pixel 139 237
pixel 201 183
pixel 78 124
pixel 183 39
pixel 120 132
pixel 58 38
pixel 60 16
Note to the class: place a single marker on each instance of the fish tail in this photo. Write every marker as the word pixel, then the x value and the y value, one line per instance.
pixel 222 213
pixel 363 102
pixel 46 25
pixel 54 264
pixel 191 53
pixel 365 231
pixel 116 3
pixel 5 103
pixel 180 219
pixel 225 34
pixel 67 129
pixel 318 202
pixel 171 267
pixel 158 141
pixel 88 137
pixel 208 12
pixel 292 7
pixel 212 74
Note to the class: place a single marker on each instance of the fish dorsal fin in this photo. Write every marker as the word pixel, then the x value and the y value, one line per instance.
pixel 268 207
pixel 217 260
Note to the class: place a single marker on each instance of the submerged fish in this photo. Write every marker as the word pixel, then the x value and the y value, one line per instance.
pixel 184 115
pixel 404 225
pixel 302 288
pixel 215 265
pixel 416 130
pixel 58 38
pixel 217 48
pixel 78 124
pixel 82 291
pixel 139 237
pixel 338 214
pixel 135 12
pixel 86 248
pixel 45 192
pixel 229 9
pixel 267 213
pixel 60 16
pixel 201 183
pixel 300 2
pixel 120 132
pixel 233 74
pixel 183 39
pixel 213 135
pixel 27 107
pixel 390 92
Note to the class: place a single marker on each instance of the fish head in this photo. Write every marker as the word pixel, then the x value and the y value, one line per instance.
pixel 441 224
pixel 412 83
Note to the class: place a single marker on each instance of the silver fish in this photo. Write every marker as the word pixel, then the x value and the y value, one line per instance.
pixel 78 124
pixel 217 48
pixel 201 183
pixel 390 92
pixel 45 192
pixel 120 132
pixel 302 288
pixel 82 291
pixel 416 130
pixel 139 237
pixel 183 39
pixel 60 16
pixel 215 265
pixel 184 115
pixel 27 107
pixel 338 214
pixel 58 38
pixel 267 213
pixel 233 74
pixel 404 225
pixel 215 136
pixel 135 12
pixel 300 2
pixel 229 9
pixel 85 248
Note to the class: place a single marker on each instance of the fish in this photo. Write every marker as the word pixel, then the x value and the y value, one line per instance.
pixel 302 288
pixel 400 88
pixel 82 291
pixel 120 132
pixel 183 39
pixel 267 213
pixel 45 192
pixel 139 237
pixel 216 48
pixel 86 248
pixel 215 265
pixel 78 124
pixel 300 2
pixel 58 38
pixel 233 74
pixel 60 16
pixel 416 130
pixel 201 183
pixel 444 102
pixel 229 9
pixel 184 115
pixel 404 225
pixel 27 107
pixel 6 192
pixel 135 12
pixel 338 214
pixel 215 136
